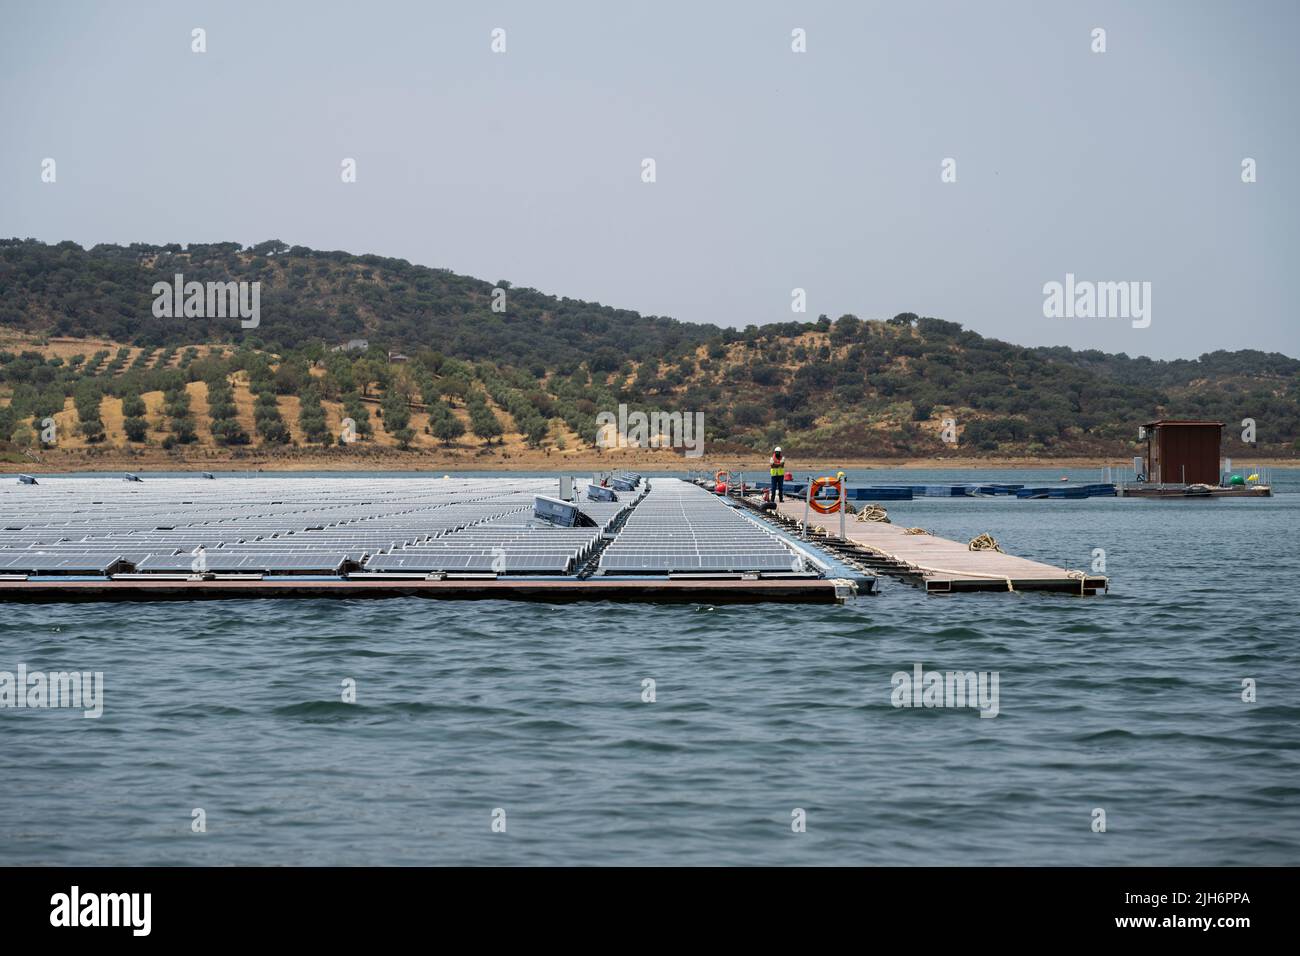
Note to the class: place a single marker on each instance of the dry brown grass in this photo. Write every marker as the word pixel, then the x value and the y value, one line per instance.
pixel 110 413
pixel 198 392
pixel 154 415
pixel 244 405
pixel 290 407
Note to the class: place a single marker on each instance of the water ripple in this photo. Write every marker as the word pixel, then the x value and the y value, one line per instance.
pixel 1132 702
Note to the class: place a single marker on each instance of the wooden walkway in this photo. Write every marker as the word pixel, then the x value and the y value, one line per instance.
pixel 942 565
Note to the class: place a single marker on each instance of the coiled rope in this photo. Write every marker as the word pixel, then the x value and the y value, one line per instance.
pixel 915 531
pixel 985 542
pixel 873 513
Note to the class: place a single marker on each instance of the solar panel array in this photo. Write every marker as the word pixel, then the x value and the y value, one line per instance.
pixel 288 525
pixel 681 528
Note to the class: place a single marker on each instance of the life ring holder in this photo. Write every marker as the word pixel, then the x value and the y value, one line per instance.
pixel 817 485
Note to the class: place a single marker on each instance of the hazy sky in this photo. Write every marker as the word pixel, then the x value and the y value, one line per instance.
pixel 775 169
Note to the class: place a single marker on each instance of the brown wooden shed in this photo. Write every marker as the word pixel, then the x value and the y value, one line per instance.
pixel 1183 452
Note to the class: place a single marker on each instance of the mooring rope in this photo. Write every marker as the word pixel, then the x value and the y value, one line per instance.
pixel 915 531
pixel 969 574
pixel 985 542
pixel 913 566
pixel 873 513
pixel 1082 579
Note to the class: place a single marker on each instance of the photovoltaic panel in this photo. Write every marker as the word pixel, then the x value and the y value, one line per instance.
pixel 679 527
pixel 330 526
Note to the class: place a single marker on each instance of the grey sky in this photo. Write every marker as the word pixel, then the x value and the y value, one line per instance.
pixel 775 170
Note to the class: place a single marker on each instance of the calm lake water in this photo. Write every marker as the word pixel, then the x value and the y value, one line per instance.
pixel 1131 703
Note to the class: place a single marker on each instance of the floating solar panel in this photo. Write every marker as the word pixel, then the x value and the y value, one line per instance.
pixel 56 563
pixel 679 527
pixel 670 562
pixel 432 561
pixel 246 562
pixel 335 526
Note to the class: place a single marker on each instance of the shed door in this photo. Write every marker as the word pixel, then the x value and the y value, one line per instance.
pixel 1189 453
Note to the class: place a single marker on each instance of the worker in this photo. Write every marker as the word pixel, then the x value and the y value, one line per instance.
pixel 776 467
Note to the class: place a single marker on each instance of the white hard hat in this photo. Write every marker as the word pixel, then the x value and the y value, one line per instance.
pixel 777 448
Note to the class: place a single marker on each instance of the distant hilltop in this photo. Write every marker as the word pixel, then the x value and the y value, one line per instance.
pixel 422 359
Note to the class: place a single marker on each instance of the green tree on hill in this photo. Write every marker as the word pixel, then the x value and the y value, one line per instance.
pixel 483 421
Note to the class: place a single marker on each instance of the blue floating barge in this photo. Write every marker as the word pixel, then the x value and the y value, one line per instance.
pixel 797 489
pixel 968 490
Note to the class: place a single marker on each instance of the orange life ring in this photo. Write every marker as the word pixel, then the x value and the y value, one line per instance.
pixel 722 475
pixel 816 486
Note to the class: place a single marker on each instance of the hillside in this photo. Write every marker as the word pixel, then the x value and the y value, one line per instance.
pixel 332 296
pixel 79 342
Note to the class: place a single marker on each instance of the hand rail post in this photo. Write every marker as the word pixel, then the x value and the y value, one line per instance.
pixel 843 502
pixel 807 497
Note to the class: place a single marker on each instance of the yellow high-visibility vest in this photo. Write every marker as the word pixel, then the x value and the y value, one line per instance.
pixel 778 467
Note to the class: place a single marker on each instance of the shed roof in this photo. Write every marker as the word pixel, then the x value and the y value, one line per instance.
pixel 1183 421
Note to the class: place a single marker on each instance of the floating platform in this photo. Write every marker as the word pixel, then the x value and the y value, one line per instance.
pixel 1103 490
pixel 798 489
pixel 152 539
pixel 1181 492
pixel 937 564
pixel 673 591
pixel 964 490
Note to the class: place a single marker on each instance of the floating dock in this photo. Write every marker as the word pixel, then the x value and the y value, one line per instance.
pixel 939 565
pixel 798 489
pixel 1203 491
pixel 198 538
